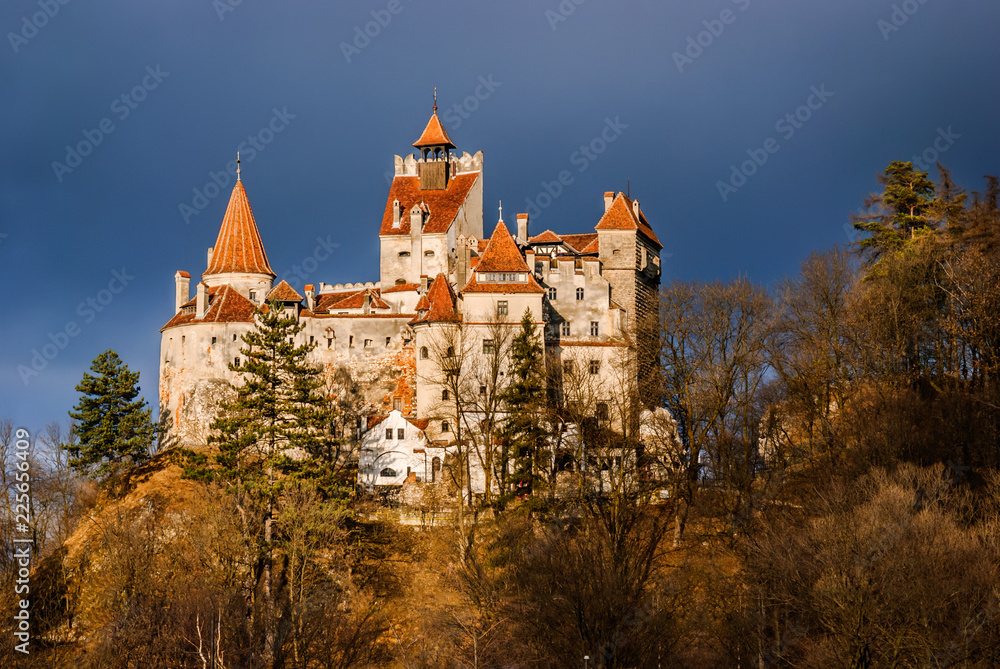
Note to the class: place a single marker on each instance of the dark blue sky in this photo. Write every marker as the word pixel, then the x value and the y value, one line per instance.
pixel 889 91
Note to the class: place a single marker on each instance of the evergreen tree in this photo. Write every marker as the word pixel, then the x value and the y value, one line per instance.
pixel 524 433
pixel 113 428
pixel 905 206
pixel 276 430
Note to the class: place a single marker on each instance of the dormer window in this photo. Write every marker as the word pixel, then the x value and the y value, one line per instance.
pixel 253 296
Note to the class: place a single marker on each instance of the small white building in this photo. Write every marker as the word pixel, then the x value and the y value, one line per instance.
pixel 395 448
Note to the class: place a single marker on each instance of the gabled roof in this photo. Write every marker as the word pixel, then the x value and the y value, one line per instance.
pixel 443 204
pixel 620 216
pixel 225 305
pixel 434 134
pixel 283 293
pixel 547 237
pixel 579 242
pixel 502 254
pixel 238 247
pixel 440 303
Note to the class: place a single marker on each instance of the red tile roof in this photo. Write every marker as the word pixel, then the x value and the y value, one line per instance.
pixel 475 286
pixel 579 242
pixel 420 424
pixel 401 288
pixel 225 305
pixel 375 420
pixel 547 236
pixel 593 247
pixel 621 217
pixel 441 301
pixel 239 247
pixel 183 273
pixel 434 134
pixel 283 293
pixel 443 204
pixel 353 300
pixel 502 254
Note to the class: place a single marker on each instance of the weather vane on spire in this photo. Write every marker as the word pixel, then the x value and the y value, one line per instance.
pixel 237 164
pixel 435 99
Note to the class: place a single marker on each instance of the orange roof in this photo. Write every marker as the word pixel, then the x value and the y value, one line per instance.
pixel 530 287
pixel 184 274
pixel 443 204
pixel 620 216
pixel 353 300
pixel 401 288
pixel 547 236
pixel 419 423
pixel 225 305
pixel 283 293
pixel 441 301
pixel 502 254
pixel 579 242
pixel 434 134
pixel 239 247
pixel 593 247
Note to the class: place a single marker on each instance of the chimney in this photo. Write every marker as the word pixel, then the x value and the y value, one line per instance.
pixel 202 300
pixel 423 284
pixel 416 220
pixel 310 296
pixel 368 303
pixel 396 213
pixel 609 197
pixel 210 251
pixel 182 282
pixel 522 227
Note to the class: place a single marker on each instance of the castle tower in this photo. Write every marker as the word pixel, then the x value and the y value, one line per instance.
pixel 435 198
pixel 238 258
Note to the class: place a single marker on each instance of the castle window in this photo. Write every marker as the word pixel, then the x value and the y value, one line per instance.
pixel 404 254
pixel 564 329
pixel 397 403
pixel 236 361
pixel 488 347
pixel 182 339
pixel 213 341
pixel 444 394
pixel 567 366
pixel 552 294
pixel 401 433
pixel 579 293
pixel 234 337
pixel 539 267
pixel 387 340
pixel 451 352
pixel 502 308
pixel 428 254
pixel 312 339
pixel 602 411
pixel 329 342
pixel 253 296
pixel 400 282
pixel 388 433
pixel 482 390
pixel 594 328
pixel 350 341
pixel 388 473
pixel 423 352
pixel 368 343
pixel 445 427
pixel 595 366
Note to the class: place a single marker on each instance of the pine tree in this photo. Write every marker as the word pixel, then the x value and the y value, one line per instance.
pixel 276 430
pixel 905 206
pixel 524 433
pixel 113 428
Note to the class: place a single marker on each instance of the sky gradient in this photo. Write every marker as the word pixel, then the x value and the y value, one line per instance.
pixel 163 93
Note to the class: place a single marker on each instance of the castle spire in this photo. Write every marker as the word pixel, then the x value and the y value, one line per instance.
pixel 434 135
pixel 237 164
pixel 239 248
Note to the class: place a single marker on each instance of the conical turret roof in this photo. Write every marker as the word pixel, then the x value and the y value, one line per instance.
pixel 434 134
pixel 239 247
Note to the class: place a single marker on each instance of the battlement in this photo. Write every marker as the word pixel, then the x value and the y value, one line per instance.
pixel 407 167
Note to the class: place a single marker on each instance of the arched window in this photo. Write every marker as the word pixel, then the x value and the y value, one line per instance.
pixel 423 352
pixel 579 293
pixel 445 427
pixel 435 469
pixel 451 351
pixel 388 472
pixel 400 282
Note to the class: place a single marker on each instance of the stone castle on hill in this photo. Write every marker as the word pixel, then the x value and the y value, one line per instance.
pixel 591 294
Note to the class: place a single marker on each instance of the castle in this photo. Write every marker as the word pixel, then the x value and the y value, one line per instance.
pixel 592 295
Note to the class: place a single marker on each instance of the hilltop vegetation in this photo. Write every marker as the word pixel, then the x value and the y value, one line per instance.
pixel 825 494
